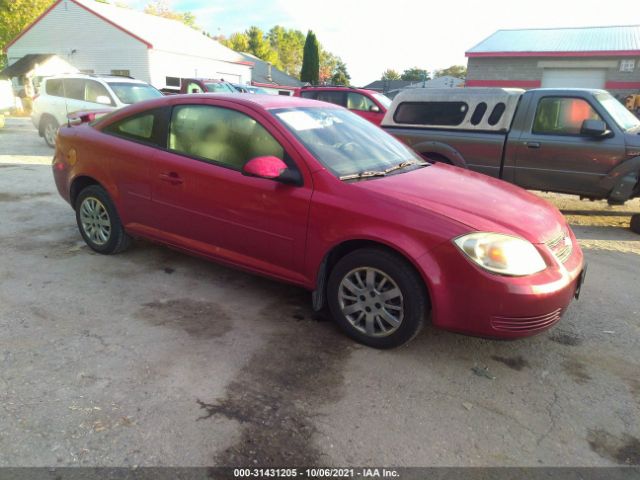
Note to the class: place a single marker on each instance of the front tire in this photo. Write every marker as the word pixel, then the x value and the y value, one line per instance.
pixel 99 222
pixel 50 131
pixel 377 298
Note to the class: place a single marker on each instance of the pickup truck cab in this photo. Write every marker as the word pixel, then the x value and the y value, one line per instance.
pixel 368 104
pixel 576 141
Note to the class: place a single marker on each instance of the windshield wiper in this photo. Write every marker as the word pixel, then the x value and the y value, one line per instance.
pixel 382 173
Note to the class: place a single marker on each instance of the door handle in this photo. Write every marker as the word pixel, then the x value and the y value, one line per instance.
pixel 171 177
pixel 532 144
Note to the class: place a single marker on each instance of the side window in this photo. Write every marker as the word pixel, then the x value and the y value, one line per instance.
pixel 220 135
pixel 431 113
pixel 331 96
pixel 141 127
pixel 496 113
pixel 95 92
pixel 74 88
pixel 307 94
pixel 357 101
pixel 562 116
pixel 194 88
pixel 478 113
pixel 54 88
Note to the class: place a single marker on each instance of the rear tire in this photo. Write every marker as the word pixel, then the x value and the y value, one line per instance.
pixel 635 223
pixel 99 222
pixel 50 130
pixel 377 298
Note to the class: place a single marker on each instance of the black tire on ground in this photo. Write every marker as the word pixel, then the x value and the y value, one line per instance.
pixel 50 130
pixel 414 301
pixel 635 223
pixel 94 205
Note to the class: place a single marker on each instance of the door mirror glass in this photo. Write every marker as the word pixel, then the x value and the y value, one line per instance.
pixel 594 128
pixel 265 167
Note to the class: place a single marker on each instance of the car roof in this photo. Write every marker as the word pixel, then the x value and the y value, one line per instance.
pixel 87 76
pixel 338 88
pixel 266 102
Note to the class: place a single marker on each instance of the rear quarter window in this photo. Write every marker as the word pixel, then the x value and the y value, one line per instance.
pixel 431 113
pixel 143 128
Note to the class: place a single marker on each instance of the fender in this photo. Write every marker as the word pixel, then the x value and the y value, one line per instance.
pixel 621 182
pixel 443 149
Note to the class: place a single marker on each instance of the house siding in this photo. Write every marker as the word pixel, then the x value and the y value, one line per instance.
pixel 526 72
pixel 85 41
pixel 168 64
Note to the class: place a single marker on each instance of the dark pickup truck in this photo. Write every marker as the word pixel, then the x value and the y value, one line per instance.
pixel 577 141
pixel 200 85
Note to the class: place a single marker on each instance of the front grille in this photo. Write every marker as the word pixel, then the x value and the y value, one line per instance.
pixel 561 246
pixel 526 324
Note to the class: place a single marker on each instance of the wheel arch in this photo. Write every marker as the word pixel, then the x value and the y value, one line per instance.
pixel 441 151
pixel 78 184
pixel 41 123
pixel 345 247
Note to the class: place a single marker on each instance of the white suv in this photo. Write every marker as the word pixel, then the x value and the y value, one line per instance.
pixel 62 95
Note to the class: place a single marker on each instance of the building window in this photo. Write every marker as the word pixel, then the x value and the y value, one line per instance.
pixel 121 73
pixel 431 113
pixel 87 72
pixel 627 65
pixel 172 81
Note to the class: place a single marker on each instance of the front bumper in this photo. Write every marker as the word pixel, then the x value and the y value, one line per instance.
pixel 470 300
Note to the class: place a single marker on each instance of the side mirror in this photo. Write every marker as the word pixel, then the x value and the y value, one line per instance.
pixel 103 99
pixel 594 129
pixel 271 168
pixel 374 108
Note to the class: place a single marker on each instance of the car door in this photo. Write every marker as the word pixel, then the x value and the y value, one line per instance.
pixel 205 203
pixel 128 148
pixel 365 107
pixel 96 95
pixel 552 154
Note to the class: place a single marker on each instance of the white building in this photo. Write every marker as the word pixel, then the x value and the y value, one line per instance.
pixel 101 38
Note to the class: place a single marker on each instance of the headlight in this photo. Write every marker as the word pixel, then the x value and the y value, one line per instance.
pixel 501 253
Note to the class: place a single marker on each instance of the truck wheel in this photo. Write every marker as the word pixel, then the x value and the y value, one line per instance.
pixel 50 131
pixel 377 298
pixel 635 223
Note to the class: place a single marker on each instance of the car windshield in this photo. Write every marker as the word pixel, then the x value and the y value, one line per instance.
pixel 344 142
pixel 219 87
pixel 383 99
pixel 623 117
pixel 134 92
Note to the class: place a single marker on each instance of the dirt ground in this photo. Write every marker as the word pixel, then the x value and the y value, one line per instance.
pixel 153 357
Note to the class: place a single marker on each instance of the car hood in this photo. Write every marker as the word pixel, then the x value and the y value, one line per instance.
pixel 480 202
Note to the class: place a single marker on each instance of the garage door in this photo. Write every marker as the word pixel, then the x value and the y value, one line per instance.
pixel 573 78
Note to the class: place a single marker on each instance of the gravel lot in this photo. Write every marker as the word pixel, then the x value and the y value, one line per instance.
pixel 153 357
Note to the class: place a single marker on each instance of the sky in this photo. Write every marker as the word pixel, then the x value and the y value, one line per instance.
pixel 371 36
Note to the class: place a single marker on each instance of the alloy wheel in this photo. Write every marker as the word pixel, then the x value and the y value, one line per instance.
pixel 371 301
pixel 95 220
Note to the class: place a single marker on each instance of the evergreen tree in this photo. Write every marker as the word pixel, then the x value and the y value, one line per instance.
pixel 310 71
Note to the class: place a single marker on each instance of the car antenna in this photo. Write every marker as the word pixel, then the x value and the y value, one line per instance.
pixel 66 106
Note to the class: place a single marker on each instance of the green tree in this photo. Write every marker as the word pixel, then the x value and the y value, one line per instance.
pixel 237 41
pixel 415 74
pixel 390 74
pixel 161 8
pixel 340 74
pixel 259 46
pixel 15 15
pixel 310 71
pixel 458 71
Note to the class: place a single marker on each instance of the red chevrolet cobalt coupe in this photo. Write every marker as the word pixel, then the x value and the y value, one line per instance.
pixel 311 194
